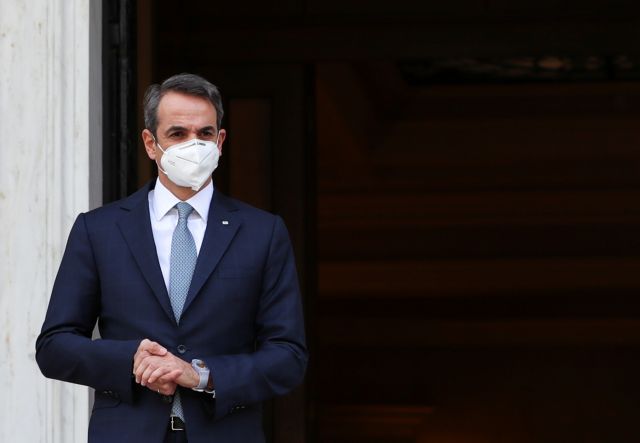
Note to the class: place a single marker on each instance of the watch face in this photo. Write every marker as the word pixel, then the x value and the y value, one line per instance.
pixel 201 364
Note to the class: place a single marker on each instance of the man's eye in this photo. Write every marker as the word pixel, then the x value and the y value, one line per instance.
pixel 175 134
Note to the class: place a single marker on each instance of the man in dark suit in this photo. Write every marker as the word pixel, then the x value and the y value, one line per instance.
pixel 195 294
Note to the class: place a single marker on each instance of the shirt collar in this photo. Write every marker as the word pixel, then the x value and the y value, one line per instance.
pixel 164 201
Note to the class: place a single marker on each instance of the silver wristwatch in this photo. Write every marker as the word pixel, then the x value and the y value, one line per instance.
pixel 203 372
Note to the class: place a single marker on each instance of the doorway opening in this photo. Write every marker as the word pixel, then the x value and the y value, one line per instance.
pixel 466 240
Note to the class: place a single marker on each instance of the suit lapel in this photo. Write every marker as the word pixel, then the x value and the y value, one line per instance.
pixel 222 225
pixel 135 226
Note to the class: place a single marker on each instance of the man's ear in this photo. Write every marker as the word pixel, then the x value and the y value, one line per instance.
pixel 149 144
pixel 222 134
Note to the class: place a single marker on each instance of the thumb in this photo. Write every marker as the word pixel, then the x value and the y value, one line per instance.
pixel 156 349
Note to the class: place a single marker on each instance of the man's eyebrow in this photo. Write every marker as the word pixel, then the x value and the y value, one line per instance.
pixel 175 128
pixel 207 128
pixel 182 128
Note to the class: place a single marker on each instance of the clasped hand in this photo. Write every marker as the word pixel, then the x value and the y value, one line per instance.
pixel 160 370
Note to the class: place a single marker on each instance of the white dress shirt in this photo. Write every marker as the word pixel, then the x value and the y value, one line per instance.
pixel 164 219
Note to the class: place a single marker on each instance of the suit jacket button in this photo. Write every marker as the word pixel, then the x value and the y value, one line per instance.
pixel 167 398
pixel 182 349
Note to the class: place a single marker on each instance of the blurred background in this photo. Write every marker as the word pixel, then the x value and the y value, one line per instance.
pixel 461 181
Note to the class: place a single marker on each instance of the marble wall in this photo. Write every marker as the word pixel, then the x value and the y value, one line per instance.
pixel 49 172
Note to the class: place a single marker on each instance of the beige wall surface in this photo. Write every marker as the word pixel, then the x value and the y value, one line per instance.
pixel 49 172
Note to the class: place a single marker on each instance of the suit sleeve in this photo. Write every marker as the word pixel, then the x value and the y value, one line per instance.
pixel 64 348
pixel 280 359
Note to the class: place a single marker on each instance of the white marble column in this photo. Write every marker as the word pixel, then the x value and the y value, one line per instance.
pixel 50 149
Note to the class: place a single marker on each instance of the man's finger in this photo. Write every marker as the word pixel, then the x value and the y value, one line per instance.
pixel 152 347
pixel 144 377
pixel 157 373
pixel 147 348
pixel 138 358
pixel 170 377
pixel 155 348
pixel 141 368
pixel 162 388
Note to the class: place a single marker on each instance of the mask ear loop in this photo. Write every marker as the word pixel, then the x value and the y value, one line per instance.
pixel 218 144
pixel 163 151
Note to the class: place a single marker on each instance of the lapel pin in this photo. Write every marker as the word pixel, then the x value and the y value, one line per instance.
pixel 225 222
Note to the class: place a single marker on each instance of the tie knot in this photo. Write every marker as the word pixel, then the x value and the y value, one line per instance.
pixel 184 209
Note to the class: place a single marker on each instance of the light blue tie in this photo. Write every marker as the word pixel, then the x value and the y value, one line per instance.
pixel 181 266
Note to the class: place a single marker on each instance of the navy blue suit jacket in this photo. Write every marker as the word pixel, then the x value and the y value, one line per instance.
pixel 243 316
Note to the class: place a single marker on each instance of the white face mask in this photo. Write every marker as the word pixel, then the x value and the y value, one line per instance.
pixel 191 163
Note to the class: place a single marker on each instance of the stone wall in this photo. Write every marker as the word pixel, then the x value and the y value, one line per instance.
pixel 50 170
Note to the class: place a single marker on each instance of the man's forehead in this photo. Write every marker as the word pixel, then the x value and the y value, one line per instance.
pixel 175 103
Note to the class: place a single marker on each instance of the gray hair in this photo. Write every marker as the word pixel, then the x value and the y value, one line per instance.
pixel 189 84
